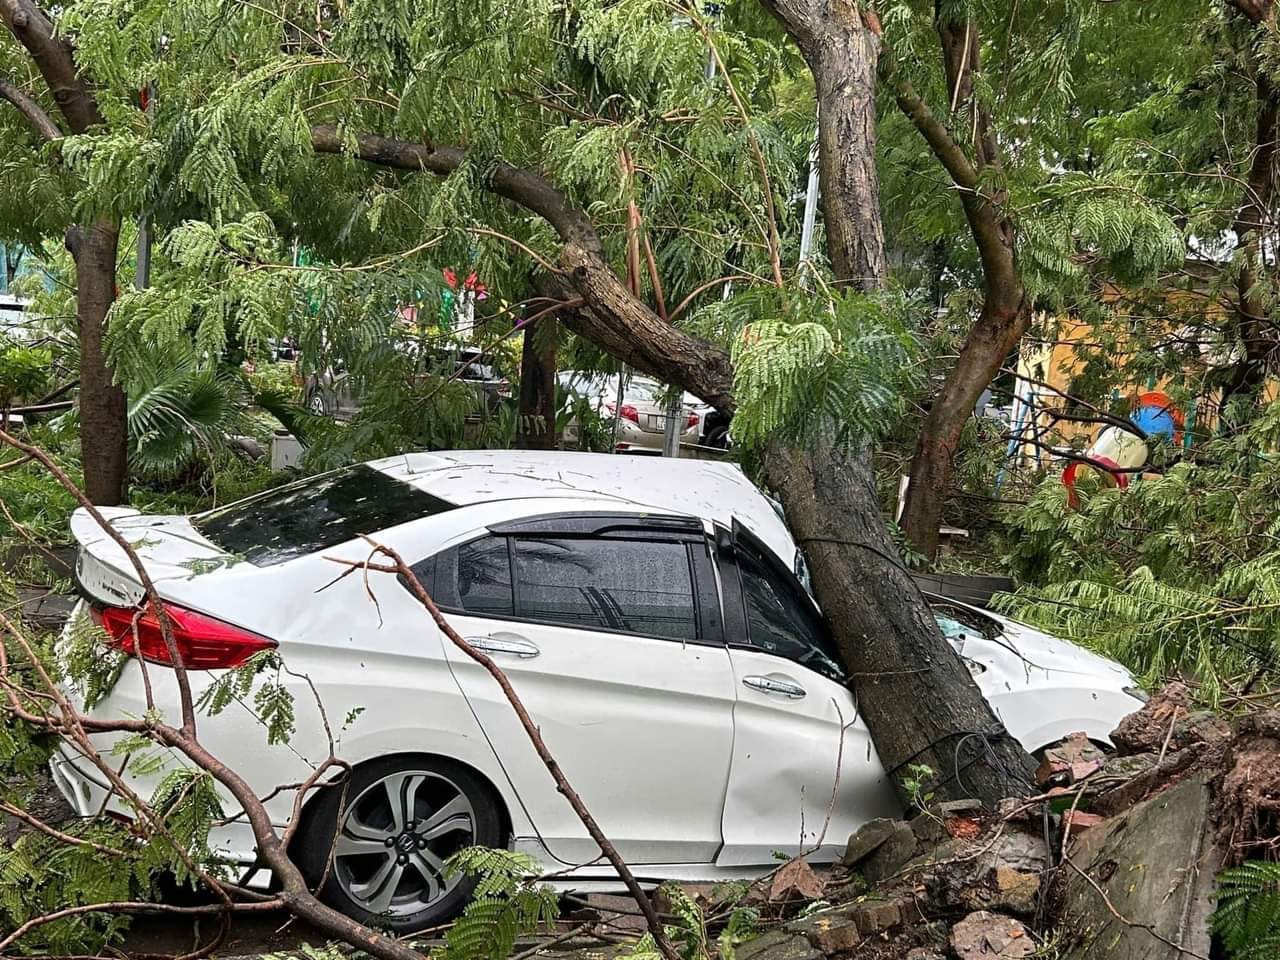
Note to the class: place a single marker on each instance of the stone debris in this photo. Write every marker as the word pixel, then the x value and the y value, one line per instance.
pixel 984 936
pixel 795 880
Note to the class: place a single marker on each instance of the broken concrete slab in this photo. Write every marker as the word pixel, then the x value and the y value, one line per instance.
pixel 989 936
pixel 777 945
pixel 1155 867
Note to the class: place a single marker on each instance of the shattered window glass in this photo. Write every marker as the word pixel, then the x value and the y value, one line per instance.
pixel 782 620
pixel 313 514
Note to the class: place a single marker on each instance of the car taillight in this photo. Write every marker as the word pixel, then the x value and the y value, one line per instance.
pixel 203 643
pixel 691 422
pixel 628 412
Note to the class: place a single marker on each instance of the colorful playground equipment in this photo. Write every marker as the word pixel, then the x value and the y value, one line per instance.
pixel 1116 453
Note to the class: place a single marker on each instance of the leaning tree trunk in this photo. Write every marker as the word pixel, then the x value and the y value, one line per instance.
pixel 103 426
pixel 1005 311
pixel 917 697
pixel 536 427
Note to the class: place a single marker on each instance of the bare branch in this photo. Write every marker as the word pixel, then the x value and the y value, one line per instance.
pixel 34 113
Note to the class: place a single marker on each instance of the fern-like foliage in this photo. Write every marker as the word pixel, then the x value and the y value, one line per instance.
pixel 844 358
pixel 507 903
pixel 1248 914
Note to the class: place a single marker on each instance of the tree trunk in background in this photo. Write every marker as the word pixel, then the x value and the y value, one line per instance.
pixel 992 339
pixel 536 427
pixel 1257 336
pixel 103 426
pixel 1005 311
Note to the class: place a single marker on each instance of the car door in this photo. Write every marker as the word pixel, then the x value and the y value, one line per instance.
pixel 609 631
pixel 795 720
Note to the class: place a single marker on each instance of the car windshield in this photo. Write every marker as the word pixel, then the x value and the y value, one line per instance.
pixel 319 512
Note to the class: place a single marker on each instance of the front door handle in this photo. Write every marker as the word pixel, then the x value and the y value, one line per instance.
pixel 782 688
pixel 509 644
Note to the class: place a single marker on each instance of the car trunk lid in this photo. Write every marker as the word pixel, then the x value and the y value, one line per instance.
pixel 169 547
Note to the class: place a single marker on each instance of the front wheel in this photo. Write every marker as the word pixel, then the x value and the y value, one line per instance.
pixel 404 817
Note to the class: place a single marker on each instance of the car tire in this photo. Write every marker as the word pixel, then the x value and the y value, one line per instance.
pixel 320 405
pixel 403 817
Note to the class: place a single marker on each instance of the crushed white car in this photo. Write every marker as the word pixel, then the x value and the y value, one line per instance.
pixel 644 609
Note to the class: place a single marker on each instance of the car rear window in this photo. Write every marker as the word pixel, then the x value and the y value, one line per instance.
pixel 319 512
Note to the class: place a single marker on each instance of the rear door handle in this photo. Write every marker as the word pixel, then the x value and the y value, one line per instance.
pixel 509 644
pixel 782 688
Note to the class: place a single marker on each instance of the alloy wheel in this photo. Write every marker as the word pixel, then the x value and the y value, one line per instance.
pixel 389 853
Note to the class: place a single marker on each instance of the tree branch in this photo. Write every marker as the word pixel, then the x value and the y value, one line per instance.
pixel 616 319
pixel 54 59
pixel 34 113
pixel 528 189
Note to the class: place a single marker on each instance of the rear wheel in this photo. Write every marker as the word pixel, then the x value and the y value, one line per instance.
pixel 404 817
pixel 319 404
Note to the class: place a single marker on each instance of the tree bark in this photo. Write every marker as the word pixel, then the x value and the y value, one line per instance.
pixel 103 411
pixel 917 697
pixel 1005 312
pixel 536 426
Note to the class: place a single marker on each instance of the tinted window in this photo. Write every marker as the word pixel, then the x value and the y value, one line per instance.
pixel 782 620
pixel 319 512
pixel 638 586
pixel 484 577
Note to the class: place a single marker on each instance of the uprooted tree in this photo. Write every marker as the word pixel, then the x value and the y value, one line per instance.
pixel 682 177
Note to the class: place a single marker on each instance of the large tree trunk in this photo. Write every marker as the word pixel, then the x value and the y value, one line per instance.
pixel 536 426
pixel 917 697
pixel 103 428
pixel 844 71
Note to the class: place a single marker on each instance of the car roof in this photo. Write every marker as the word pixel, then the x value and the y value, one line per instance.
pixel 705 489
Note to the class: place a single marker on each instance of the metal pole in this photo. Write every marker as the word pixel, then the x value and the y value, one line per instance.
pixel 142 272
pixel 617 410
pixel 675 426
pixel 810 213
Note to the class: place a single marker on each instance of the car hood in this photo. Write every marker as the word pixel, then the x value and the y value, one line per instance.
pixel 1052 654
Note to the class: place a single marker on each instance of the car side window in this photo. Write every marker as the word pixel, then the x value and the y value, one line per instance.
pixel 476 578
pixel 782 620
pixel 631 585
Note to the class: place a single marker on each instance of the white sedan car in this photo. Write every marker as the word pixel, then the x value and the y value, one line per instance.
pixel 644 609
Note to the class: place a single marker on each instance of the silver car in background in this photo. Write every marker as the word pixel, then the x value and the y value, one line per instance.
pixel 641 417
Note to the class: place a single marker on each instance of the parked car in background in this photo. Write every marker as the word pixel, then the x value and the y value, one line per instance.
pixel 645 609
pixel 641 417
pixel 333 393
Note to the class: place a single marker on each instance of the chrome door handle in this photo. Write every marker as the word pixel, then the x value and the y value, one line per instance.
pixel 514 646
pixel 783 688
